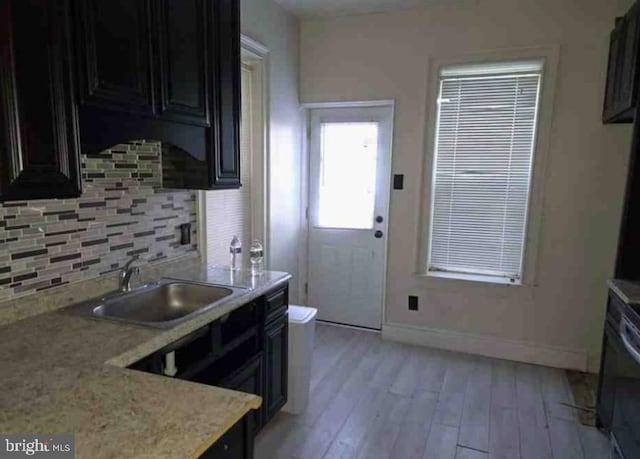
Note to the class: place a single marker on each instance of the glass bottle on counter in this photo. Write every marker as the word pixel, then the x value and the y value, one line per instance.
pixel 256 255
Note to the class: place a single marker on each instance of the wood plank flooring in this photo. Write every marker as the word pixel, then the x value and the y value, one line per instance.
pixel 378 399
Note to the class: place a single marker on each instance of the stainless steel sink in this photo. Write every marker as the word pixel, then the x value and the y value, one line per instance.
pixel 162 304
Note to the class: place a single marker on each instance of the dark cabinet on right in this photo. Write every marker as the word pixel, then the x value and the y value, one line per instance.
pixel 621 92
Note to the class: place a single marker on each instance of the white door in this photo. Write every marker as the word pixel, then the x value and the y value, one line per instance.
pixel 349 183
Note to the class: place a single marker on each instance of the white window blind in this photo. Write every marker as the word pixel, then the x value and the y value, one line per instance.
pixel 485 139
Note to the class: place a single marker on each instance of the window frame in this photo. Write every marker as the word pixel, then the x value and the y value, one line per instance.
pixel 550 57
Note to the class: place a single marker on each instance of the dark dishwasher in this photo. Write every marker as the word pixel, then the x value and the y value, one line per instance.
pixel 619 394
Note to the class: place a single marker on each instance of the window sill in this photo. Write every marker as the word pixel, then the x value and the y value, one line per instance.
pixel 472 278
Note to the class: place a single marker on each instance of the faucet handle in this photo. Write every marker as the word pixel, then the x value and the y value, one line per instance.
pixel 126 272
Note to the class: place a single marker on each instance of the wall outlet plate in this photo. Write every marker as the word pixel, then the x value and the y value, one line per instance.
pixel 185 234
pixel 413 303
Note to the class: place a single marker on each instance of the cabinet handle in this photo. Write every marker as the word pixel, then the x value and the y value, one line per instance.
pixel 627 328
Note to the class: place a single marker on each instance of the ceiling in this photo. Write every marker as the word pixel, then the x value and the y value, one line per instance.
pixel 329 8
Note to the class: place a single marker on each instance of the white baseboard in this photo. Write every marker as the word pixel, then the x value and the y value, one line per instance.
pixel 488 346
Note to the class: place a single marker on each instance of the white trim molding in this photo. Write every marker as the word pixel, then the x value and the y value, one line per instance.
pixel 550 55
pixel 253 46
pixel 489 346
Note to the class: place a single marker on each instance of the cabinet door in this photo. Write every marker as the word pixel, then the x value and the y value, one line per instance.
pixel 249 380
pixel 236 443
pixel 115 54
pixel 615 56
pixel 182 56
pixel 225 144
pixel 276 366
pixel 626 92
pixel 38 127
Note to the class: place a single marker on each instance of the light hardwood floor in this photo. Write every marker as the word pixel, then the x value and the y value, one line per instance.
pixel 377 399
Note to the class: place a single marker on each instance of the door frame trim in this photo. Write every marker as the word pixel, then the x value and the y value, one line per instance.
pixel 303 250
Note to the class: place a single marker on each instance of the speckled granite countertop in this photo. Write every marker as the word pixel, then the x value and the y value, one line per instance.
pixel 62 373
pixel 628 291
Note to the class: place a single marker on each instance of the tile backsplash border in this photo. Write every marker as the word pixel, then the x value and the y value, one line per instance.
pixel 122 212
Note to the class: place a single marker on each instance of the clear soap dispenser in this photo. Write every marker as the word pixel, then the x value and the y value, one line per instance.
pixel 256 255
pixel 235 249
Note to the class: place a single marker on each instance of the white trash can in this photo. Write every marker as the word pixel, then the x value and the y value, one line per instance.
pixel 302 325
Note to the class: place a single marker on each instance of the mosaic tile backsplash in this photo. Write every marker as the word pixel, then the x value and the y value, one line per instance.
pixel 121 213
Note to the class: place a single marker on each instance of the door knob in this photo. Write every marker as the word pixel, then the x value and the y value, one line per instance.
pixel 378 234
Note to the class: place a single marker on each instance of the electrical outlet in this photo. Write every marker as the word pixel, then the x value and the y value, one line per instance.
pixel 413 303
pixel 185 234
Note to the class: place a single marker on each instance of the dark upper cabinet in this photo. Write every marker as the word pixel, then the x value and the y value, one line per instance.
pixel 39 147
pixel 166 70
pixel 615 54
pixel 236 443
pixel 225 140
pixel 183 54
pixel 622 76
pixel 115 65
pixel 84 75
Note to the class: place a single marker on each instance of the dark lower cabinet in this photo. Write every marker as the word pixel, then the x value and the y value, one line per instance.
pixel 236 443
pixel 249 379
pixel 276 346
pixel 39 147
pixel 246 350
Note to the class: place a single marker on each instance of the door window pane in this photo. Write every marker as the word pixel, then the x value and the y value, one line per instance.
pixel 348 167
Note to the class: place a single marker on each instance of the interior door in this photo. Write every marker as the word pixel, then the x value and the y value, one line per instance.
pixel 349 181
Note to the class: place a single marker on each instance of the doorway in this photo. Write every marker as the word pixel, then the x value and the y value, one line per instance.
pixel 349 186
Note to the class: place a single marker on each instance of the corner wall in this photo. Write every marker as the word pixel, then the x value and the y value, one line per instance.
pixel 386 56
pixel 267 23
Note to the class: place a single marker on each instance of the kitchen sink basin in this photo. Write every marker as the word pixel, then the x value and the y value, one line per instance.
pixel 162 304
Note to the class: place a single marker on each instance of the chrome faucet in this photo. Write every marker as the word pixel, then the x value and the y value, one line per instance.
pixel 127 272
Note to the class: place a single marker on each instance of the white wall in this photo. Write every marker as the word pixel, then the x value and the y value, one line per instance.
pixel 269 24
pixel 386 56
